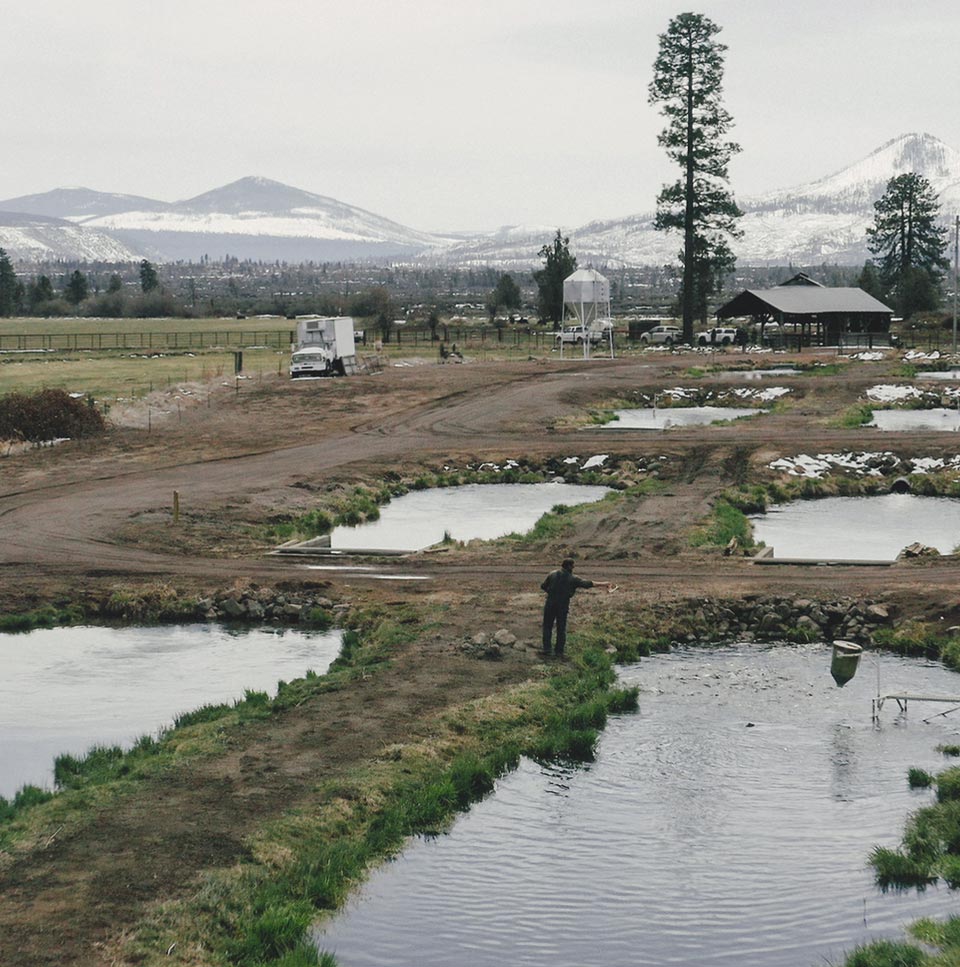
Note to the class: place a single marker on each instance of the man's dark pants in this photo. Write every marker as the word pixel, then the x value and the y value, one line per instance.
pixel 554 615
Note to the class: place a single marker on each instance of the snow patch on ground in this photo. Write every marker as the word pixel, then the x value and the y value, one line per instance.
pixel 888 393
pixel 764 395
pixel 865 464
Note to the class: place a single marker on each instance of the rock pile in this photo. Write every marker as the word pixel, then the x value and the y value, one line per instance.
pixel 267 604
pixel 772 619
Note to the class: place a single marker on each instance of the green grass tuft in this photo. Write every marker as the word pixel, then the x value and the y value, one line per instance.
pixel 919 778
pixel 948 785
pixel 895 870
pixel 728 522
pixel 855 416
pixel 886 953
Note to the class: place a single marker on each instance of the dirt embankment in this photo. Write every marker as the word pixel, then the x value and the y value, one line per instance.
pixel 238 457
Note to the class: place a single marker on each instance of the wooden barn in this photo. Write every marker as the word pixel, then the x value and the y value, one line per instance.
pixel 810 314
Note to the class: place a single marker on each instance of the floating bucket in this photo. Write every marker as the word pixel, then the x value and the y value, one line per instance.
pixel 845 662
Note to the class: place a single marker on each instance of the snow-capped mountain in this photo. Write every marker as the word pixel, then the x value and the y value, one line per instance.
pixel 251 218
pixel 262 219
pixel 35 238
pixel 821 221
pixel 856 187
pixel 77 204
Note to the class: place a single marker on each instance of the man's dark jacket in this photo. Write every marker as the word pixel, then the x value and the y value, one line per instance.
pixel 561 585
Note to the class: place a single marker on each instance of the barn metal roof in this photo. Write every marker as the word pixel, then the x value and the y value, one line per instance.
pixel 802 300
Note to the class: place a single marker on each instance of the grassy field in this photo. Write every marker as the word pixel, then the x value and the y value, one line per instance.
pixel 46 327
pixel 132 357
pixel 119 375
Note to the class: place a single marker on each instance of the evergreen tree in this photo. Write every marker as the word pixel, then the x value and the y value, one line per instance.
pixel 76 289
pixel 39 292
pixel 11 290
pixel 115 284
pixel 558 264
pixel 376 307
pixel 506 295
pixel 148 277
pixel 909 243
pixel 688 85
pixel 869 281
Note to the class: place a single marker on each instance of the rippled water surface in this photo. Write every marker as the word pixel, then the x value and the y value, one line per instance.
pixel 859 528
pixel 66 689
pixel 775 371
pixel 662 418
pixel 938 418
pixel 485 511
pixel 947 374
pixel 726 823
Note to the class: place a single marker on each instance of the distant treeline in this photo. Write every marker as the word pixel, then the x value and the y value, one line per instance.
pixel 233 287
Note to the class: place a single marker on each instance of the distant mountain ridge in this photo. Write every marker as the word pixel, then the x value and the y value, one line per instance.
pixel 820 221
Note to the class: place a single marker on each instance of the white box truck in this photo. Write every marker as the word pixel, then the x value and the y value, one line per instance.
pixel 324 347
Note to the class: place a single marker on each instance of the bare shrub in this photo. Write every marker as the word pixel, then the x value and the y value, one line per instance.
pixel 47 415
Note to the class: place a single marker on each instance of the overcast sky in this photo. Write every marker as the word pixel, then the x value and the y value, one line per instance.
pixel 451 115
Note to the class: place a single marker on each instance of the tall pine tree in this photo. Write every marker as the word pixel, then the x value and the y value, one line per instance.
pixel 558 263
pixel 688 85
pixel 909 243
pixel 149 280
pixel 76 288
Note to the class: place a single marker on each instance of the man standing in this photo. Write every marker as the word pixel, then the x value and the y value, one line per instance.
pixel 560 585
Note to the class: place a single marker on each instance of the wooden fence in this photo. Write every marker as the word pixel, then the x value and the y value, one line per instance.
pixel 199 339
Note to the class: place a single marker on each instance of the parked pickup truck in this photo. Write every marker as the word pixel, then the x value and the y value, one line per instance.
pixel 577 334
pixel 717 337
pixel 662 335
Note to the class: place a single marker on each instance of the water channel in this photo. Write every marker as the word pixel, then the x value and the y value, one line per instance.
pixel 775 371
pixel 64 690
pixel 726 824
pixel 947 374
pixel 858 528
pixel 662 418
pixel 938 418
pixel 470 512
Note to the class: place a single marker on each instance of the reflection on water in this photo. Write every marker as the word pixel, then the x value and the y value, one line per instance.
pixel 66 689
pixel 935 419
pixel 662 418
pixel 727 823
pixel 775 371
pixel 473 511
pixel 947 374
pixel 859 528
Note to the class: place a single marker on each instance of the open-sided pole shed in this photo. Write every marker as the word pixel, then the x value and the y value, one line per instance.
pixel 586 298
pixel 822 314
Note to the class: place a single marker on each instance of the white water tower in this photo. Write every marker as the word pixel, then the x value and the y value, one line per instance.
pixel 586 301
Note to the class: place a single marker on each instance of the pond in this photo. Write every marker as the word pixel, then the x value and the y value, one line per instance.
pixel 662 418
pixel 858 528
pixel 66 689
pixel 947 374
pixel 938 418
pixel 761 373
pixel 727 823
pixel 473 511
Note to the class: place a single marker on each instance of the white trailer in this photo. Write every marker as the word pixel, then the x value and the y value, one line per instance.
pixel 325 347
